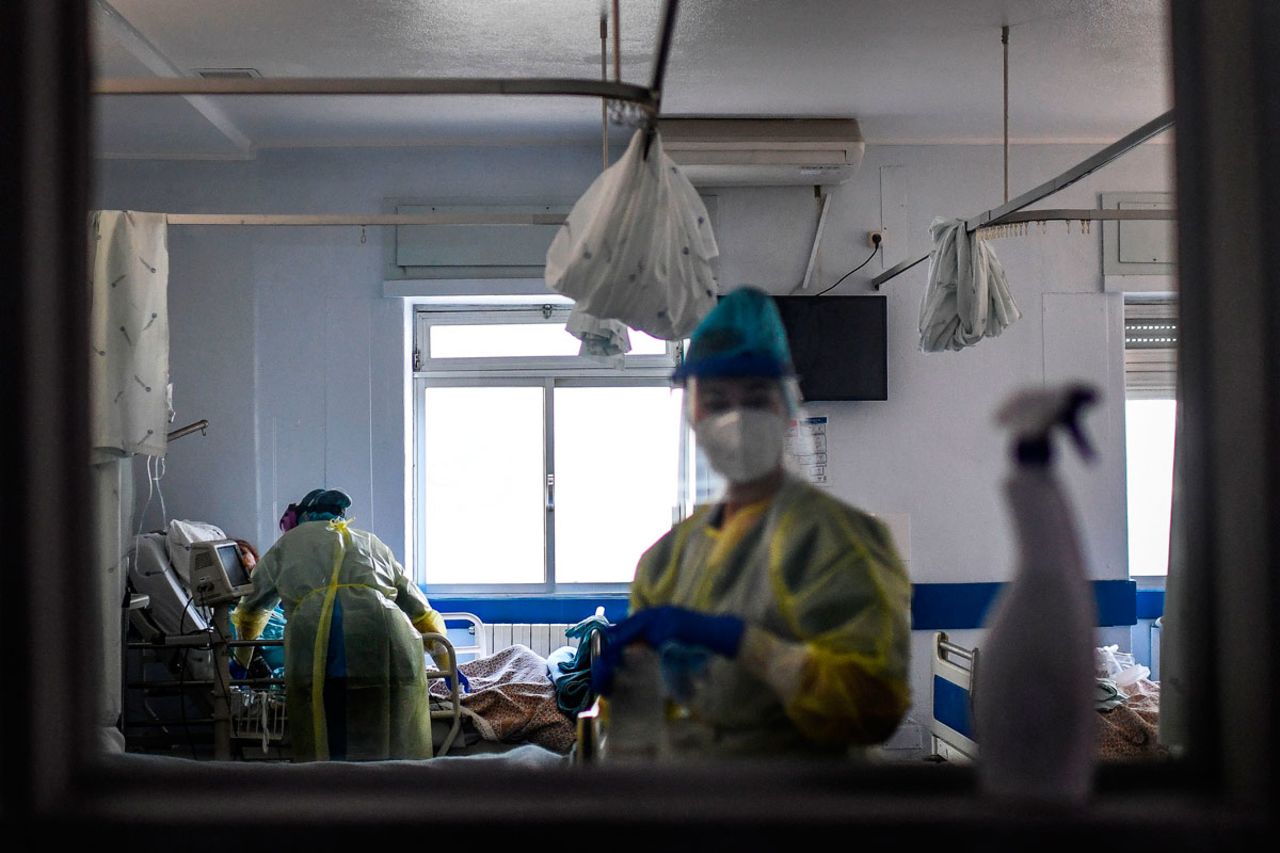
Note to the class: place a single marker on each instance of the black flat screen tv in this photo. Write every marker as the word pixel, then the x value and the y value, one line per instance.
pixel 839 345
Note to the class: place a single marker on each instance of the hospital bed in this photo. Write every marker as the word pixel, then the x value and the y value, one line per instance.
pixel 181 640
pixel 259 714
pixel 1126 732
pixel 951 721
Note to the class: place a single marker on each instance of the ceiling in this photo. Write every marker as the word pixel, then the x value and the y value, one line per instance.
pixel 920 71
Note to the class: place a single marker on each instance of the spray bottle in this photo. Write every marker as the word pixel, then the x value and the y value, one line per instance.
pixel 1033 698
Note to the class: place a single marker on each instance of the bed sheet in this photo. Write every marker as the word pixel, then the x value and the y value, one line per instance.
pixel 512 700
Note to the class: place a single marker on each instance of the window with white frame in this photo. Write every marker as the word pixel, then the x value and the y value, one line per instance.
pixel 538 469
pixel 1151 339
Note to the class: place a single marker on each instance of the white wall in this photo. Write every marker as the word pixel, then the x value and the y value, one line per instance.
pixel 283 340
pixel 931 451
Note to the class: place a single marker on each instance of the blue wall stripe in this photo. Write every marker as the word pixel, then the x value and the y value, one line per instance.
pixel 1150 603
pixel 955 606
pixel 524 608
pixel 934 606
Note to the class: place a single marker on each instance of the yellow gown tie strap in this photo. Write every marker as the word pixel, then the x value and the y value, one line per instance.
pixel 319 657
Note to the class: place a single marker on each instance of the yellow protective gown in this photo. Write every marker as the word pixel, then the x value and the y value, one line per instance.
pixel 354 621
pixel 808 569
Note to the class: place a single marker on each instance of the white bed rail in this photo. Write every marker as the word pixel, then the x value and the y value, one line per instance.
pixel 476 627
pixel 452 713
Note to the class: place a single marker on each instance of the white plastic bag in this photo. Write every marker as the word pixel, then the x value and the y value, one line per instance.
pixel 1120 666
pixel 179 540
pixel 637 247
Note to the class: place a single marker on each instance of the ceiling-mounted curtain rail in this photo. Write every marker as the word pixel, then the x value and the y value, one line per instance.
pixel 1067 214
pixel 666 35
pixel 647 98
pixel 364 219
pixel 392 219
pixel 374 86
pixel 999 215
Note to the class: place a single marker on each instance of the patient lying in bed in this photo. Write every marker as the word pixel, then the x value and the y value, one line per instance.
pixel 512 700
pixel 1129 719
pixel 1127 702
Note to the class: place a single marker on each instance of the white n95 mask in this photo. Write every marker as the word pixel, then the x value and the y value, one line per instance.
pixel 743 444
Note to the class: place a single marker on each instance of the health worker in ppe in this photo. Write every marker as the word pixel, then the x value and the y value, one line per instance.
pixel 355 673
pixel 798 603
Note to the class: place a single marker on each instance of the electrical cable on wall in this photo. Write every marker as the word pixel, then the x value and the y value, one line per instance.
pixel 154 475
pixel 875 239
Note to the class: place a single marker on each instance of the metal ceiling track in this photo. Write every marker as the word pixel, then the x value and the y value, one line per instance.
pixel 1003 214
pixel 372 86
pixel 394 219
pixel 363 219
pixel 647 98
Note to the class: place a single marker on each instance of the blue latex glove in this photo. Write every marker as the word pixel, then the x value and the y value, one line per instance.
pixel 462 680
pixel 657 626
pixel 602 674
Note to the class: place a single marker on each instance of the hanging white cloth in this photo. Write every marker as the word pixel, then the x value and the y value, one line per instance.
pixel 129 413
pixel 637 247
pixel 113 511
pixel 129 317
pixel 967 298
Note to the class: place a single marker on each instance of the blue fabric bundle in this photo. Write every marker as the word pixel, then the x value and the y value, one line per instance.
pixel 571 668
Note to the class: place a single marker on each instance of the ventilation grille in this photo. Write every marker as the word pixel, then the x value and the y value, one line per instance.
pixel 1150 333
pixel 228 73
pixel 1150 350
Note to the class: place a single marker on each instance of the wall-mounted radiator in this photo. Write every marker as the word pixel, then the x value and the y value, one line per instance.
pixel 542 638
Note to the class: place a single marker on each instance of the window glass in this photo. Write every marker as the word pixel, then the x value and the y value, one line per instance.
pixel 1149 431
pixel 502 340
pixel 484 502
pixel 617 454
pixel 520 340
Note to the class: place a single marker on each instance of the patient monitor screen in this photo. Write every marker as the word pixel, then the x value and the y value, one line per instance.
pixel 231 564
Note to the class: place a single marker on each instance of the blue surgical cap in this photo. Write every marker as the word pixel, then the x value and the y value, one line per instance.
pixel 323 504
pixel 742 336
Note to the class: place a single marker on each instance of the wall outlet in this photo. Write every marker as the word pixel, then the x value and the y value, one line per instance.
pixel 875 238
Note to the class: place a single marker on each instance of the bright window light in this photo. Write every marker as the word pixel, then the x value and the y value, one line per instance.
pixel 484 507
pixel 520 340
pixel 617 453
pixel 539 469
pixel 1149 430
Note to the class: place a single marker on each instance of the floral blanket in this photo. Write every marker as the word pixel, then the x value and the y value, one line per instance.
pixel 1128 731
pixel 513 700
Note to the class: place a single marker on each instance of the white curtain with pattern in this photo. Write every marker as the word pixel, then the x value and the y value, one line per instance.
pixel 129 409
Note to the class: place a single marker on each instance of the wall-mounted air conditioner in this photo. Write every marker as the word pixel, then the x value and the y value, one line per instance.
pixel 764 151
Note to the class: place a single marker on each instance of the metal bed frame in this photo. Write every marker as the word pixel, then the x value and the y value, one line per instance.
pixel 229 718
pixel 591 734
pixel 951 718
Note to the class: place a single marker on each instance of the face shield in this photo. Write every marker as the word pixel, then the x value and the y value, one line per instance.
pixel 741 396
pixel 743 425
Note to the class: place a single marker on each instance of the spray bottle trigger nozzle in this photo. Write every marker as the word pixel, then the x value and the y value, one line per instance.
pixel 1076 403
